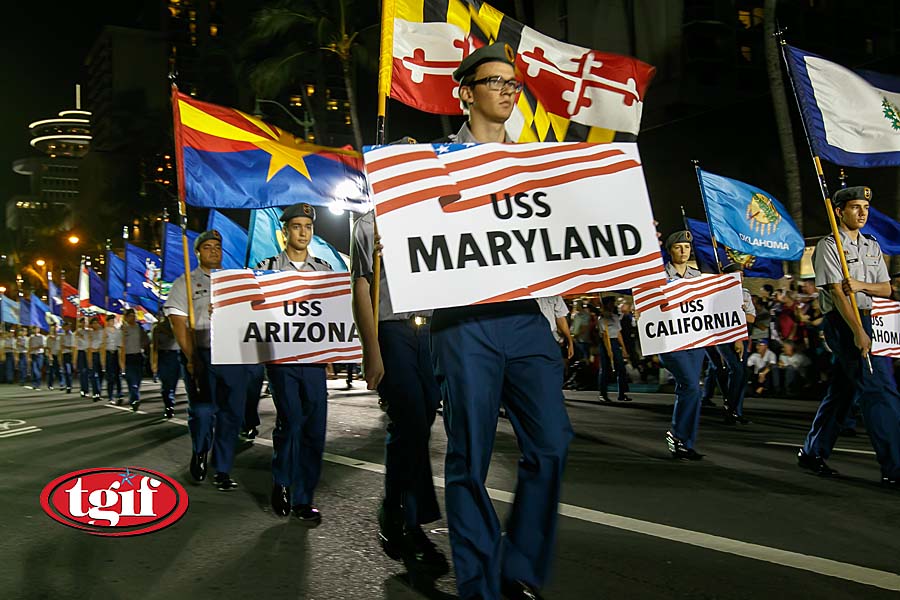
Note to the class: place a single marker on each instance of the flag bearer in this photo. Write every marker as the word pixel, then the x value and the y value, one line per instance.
pixel 215 392
pixel 491 355
pixel 298 390
pixel 685 365
pixel 850 341
pixel 397 362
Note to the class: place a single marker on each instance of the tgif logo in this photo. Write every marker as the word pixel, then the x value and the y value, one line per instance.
pixel 115 502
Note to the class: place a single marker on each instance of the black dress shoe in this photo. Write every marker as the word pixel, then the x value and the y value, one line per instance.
pixel 707 403
pixel 198 466
pixel 224 483
pixel 605 398
pixel 679 451
pixel 249 434
pixel 169 412
pixel 891 483
pixel 307 513
pixel 624 398
pixel 742 421
pixel 390 532
pixel 135 406
pixel 518 590
pixel 420 553
pixel 95 397
pixel 729 419
pixel 84 394
pixel 816 464
pixel 281 500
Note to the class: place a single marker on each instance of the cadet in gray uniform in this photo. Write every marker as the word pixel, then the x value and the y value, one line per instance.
pixel 215 392
pixel 398 364
pixel 299 391
pixel 850 341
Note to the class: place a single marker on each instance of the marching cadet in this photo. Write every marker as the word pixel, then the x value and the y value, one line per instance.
pixel 66 347
pixel 685 365
pixel 164 360
pixel 6 355
pixel 131 356
pixel 489 355
pixel 112 341
pixel 82 346
pixel 37 343
pixel 95 349
pixel 609 326
pixel 298 390
pixel 52 354
pixel 850 341
pixel 215 392
pixel 22 351
pixel 735 357
pixel 397 362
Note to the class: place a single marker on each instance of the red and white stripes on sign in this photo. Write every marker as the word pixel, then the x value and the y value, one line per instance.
pixel 732 335
pixel 643 268
pixel 335 355
pixel 270 290
pixel 883 307
pixel 680 291
pixel 465 179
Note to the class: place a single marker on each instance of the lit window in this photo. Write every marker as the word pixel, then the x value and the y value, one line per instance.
pixel 744 18
pixel 296 101
pixel 747 53
pixel 192 27
pixel 213 30
pixel 310 90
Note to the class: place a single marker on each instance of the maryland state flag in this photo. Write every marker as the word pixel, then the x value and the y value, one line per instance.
pixel 229 159
pixel 571 93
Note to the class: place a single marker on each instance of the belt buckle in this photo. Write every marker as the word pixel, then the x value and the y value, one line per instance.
pixel 418 320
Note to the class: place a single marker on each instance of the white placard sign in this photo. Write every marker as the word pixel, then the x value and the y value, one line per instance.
pixel 690 313
pixel 476 223
pixel 282 317
pixel 885 327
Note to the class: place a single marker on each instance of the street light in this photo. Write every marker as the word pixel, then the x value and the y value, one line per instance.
pixel 2 289
pixel 74 239
pixel 40 262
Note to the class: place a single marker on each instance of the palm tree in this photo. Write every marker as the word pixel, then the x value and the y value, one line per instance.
pixel 305 29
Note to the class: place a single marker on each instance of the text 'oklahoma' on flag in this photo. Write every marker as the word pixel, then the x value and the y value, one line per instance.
pixel 571 93
pixel 853 118
pixel 706 257
pixel 748 219
pixel 497 222
pixel 229 159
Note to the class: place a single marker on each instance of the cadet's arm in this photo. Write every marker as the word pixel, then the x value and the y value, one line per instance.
pixel 842 303
pixel 364 315
pixel 562 326
pixel 184 338
pixel 879 290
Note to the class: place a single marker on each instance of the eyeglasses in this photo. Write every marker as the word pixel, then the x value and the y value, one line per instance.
pixel 498 84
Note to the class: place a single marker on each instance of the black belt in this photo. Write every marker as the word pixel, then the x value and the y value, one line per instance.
pixel 419 320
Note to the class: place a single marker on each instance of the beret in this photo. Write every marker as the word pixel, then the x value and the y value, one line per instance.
pixel 679 237
pixel 210 234
pixel 301 209
pixel 859 192
pixel 496 52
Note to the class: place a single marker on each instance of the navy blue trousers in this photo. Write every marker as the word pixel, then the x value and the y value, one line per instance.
pixel 215 406
pixel 876 392
pixel 37 367
pixel 298 441
pixel 96 373
pixel 10 367
pixel 736 366
pixel 134 373
pixel 169 369
pixel 685 366
pixel 23 368
pixel 716 374
pixel 481 363
pixel 84 372
pixel 53 374
pixel 113 375
pixel 606 369
pixel 412 396
pixel 67 370
pixel 255 376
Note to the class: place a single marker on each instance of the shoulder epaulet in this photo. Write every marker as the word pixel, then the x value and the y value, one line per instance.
pixel 448 139
pixel 320 261
pixel 871 237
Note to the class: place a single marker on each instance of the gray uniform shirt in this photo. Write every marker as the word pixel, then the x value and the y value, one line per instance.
pixel 864 259
pixel 283 263
pixel 165 340
pixel 67 340
pixel 22 344
pixel 362 265
pixel 613 326
pixel 672 273
pixel 749 308
pixel 132 338
pixel 36 343
pixel 177 304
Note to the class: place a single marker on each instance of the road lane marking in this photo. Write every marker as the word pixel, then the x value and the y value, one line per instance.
pixel 785 558
pixel 847 450
pixel 21 431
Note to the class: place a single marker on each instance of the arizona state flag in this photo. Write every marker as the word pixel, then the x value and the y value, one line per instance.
pixel 571 93
pixel 229 159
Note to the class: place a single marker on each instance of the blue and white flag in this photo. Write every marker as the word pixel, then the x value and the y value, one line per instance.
pixel 748 219
pixel 234 239
pixel 853 118
pixel 115 283
pixel 9 310
pixel 173 253
pixel 142 275
pixel 55 297
pixel 706 258
pixel 39 312
pixel 885 229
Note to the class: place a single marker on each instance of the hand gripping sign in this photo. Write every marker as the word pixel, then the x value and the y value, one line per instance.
pixel 282 317
pixel 885 327
pixel 478 223
pixel 690 313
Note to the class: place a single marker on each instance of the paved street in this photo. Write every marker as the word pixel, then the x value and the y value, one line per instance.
pixel 743 523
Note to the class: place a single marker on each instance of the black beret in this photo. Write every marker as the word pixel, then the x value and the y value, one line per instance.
pixel 679 237
pixel 301 209
pixel 859 192
pixel 211 234
pixel 497 52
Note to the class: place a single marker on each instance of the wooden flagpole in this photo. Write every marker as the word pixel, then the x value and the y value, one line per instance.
pixel 182 209
pixel 823 186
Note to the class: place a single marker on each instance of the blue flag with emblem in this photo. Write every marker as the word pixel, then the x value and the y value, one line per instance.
pixel 25 312
pixel 142 274
pixel 55 297
pixel 97 293
pixel 267 240
pixel 9 310
pixel 885 229
pixel 753 266
pixel 39 311
pixel 853 117
pixel 234 240
pixel 173 253
pixel 749 220
pixel 115 283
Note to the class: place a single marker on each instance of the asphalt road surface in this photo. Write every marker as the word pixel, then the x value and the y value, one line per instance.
pixel 743 523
